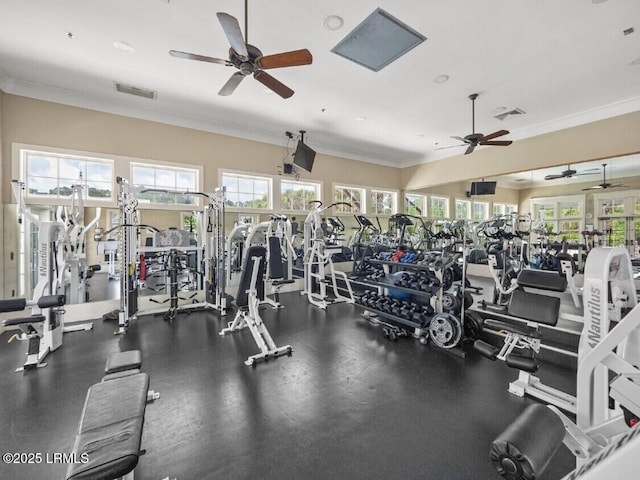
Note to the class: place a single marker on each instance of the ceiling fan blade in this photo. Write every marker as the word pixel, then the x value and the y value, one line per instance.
pixel 451 146
pixel 229 87
pixel 200 58
pixel 470 149
pixel 586 172
pixel 595 187
pixel 498 143
pixel 286 59
pixel 275 85
pixel 232 30
pixel 460 139
pixel 493 135
pixel 553 177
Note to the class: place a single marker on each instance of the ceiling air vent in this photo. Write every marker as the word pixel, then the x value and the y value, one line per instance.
pixel 515 111
pixel 378 40
pixel 137 91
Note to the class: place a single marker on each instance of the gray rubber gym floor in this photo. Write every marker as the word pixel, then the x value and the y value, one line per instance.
pixel 349 404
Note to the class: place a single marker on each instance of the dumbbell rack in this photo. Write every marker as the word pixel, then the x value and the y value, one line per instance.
pixel 419 331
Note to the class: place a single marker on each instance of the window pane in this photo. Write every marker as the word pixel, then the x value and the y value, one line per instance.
pixel 462 209
pixel 143 176
pixel 42 186
pixel 613 206
pixel 165 179
pixel 40 166
pixel 261 187
pixel 245 185
pixel 99 172
pixel 230 182
pixel 186 181
pixel 99 190
pixel 73 169
pixel 569 209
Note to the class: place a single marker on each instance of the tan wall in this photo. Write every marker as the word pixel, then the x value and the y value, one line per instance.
pixel 608 138
pixel 50 124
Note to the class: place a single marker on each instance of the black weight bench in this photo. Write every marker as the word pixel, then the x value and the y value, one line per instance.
pixel 107 446
pixel 110 431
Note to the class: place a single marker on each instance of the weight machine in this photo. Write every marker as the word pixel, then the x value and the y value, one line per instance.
pixel 608 386
pixel 317 258
pixel 133 268
pixel 43 330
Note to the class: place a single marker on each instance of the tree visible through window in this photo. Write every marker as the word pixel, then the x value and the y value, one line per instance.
pixel 439 207
pixel 350 195
pixel 297 195
pixel 382 202
pixel 414 204
pixel 246 191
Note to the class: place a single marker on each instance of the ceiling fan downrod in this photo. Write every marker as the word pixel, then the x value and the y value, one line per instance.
pixel 473 97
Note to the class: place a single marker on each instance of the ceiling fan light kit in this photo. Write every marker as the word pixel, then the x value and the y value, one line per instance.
pixel 248 59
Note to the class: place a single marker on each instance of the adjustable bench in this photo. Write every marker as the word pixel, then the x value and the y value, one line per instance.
pixel 107 446
pixel 110 429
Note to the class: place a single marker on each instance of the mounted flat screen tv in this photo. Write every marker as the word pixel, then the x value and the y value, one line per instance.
pixel 304 156
pixel 483 188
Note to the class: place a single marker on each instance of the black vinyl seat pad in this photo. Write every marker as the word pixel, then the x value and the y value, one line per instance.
pixel 110 430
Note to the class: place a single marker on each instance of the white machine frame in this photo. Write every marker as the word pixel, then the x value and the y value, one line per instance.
pixel 317 258
pixel 251 319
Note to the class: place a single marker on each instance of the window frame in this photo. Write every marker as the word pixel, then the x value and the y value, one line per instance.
pixel 486 214
pixel 156 165
pixel 469 210
pixel 270 190
pixel 307 208
pixel 23 152
pixel 446 201
pixel 339 209
pixel 394 200
pixel 423 206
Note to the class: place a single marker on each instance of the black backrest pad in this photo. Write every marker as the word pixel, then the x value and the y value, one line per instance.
pixel 110 429
pixel 13 305
pixel 242 299
pixel 542 279
pixel 535 307
pixel 276 269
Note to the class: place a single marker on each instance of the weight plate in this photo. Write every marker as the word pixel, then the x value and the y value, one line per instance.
pixel 445 330
pixel 451 302
pixel 472 325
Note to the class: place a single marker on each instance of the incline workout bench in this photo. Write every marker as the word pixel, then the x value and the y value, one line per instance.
pixel 107 446
pixel 250 293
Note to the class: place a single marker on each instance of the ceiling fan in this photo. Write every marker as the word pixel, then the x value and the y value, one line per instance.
pixel 474 139
pixel 604 184
pixel 248 59
pixel 570 173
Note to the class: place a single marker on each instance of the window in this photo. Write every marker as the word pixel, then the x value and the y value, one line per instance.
pixel 165 178
pixel 562 216
pixel 463 209
pixel 414 204
pixel 570 210
pixel 569 230
pixel 480 210
pixel 382 202
pixel 510 209
pixel 498 208
pixel 297 195
pixel 246 191
pixel 439 207
pixel 351 195
pixel 545 211
pixel 52 175
pixel 612 206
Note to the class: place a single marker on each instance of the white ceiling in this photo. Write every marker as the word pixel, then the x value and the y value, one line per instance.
pixel 563 62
